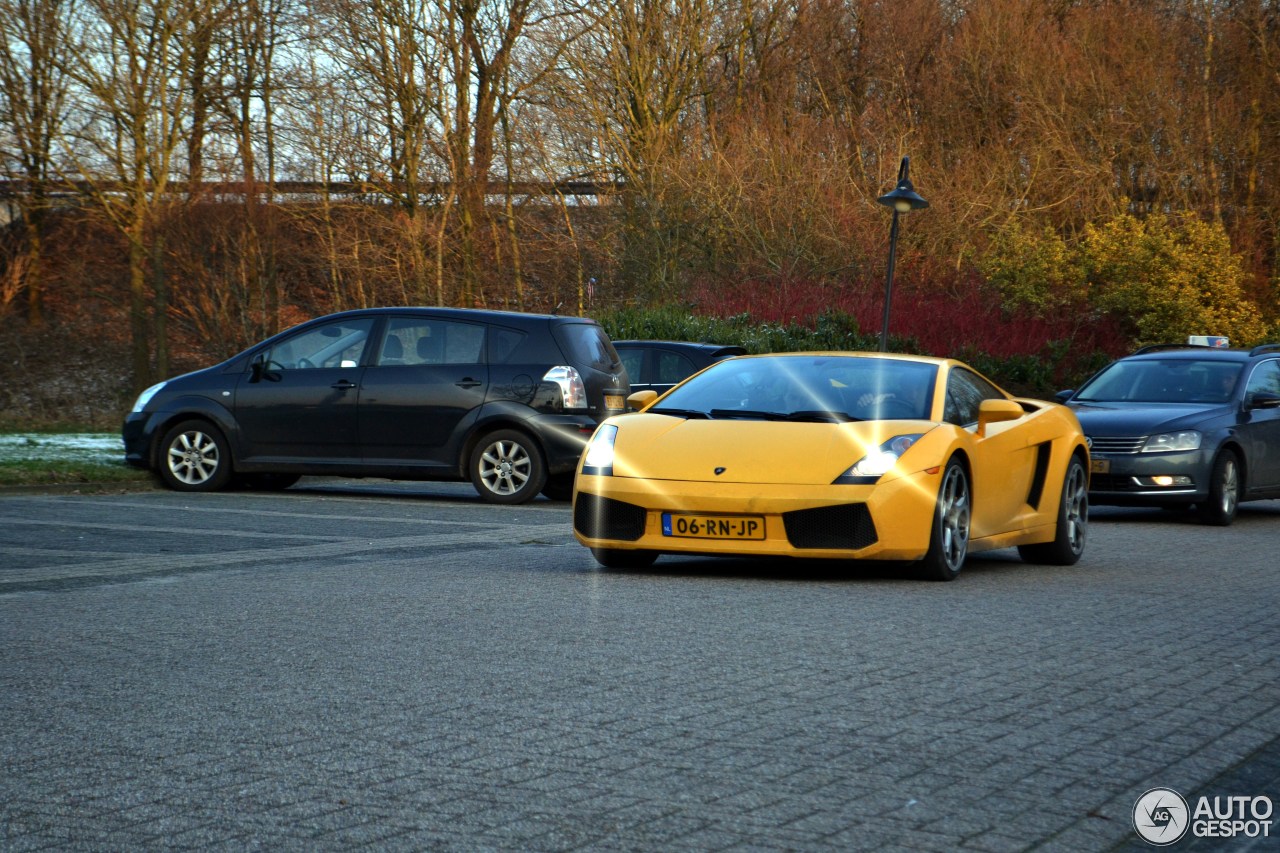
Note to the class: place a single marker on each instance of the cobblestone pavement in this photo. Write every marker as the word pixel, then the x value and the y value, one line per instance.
pixel 402 667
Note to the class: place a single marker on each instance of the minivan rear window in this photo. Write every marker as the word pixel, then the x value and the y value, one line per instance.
pixel 587 344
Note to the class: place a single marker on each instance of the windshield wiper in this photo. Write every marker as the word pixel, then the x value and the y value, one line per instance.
pixel 679 413
pixel 748 414
pixel 822 416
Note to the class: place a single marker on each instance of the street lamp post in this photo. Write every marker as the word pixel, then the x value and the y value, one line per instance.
pixel 903 199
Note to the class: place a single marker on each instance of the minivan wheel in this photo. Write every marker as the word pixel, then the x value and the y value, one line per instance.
pixel 507 468
pixel 194 457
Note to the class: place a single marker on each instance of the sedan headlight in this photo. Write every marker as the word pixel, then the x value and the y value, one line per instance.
pixel 1187 439
pixel 878 462
pixel 599 458
pixel 145 396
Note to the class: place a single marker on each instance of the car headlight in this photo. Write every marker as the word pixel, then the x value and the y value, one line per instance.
pixel 145 396
pixel 878 462
pixel 599 458
pixel 1187 439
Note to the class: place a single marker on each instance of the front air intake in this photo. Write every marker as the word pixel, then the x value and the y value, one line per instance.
pixel 845 527
pixel 604 518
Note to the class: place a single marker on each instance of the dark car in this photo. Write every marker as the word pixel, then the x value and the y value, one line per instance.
pixel 507 400
pixel 1176 425
pixel 659 365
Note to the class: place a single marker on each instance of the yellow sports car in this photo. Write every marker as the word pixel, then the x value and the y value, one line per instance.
pixel 836 456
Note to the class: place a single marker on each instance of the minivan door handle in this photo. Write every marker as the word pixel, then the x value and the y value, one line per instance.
pixel 343 384
pixel 468 383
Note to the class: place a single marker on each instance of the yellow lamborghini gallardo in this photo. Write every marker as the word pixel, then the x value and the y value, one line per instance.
pixel 835 456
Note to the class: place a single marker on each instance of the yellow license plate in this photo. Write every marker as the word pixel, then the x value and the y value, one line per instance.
pixel 1100 466
pixel 713 526
pixel 614 401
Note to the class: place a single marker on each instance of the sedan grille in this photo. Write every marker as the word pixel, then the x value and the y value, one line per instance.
pixel 845 526
pixel 1114 444
pixel 1112 483
pixel 604 518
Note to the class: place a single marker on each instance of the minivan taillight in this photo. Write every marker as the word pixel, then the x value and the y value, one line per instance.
pixel 572 390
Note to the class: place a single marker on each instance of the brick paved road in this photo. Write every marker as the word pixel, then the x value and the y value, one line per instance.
pixel 402 667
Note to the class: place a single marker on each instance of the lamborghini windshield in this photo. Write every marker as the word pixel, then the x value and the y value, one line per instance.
pixel 1163 381
pixel 831 388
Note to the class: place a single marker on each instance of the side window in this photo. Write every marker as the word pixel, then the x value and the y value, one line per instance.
pixel 338 344
pixel 672 366
pixel 502 343
pixel 413 340
pixel 965 393
pixel 1265 378
pixel 633 361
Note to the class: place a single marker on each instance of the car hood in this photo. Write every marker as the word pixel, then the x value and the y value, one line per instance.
pixel 1121 419
pixel 663 447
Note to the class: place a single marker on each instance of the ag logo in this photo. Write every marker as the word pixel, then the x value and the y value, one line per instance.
pixel 1161 816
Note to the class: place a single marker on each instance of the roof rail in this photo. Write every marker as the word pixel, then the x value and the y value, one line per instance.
pixel 1261 348
pixel 1158 347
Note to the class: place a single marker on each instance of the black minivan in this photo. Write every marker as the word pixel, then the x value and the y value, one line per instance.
pixel 504 399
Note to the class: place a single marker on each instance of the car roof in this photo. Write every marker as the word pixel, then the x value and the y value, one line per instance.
pixel 701 346
pixel 1194 352
pixel 509 317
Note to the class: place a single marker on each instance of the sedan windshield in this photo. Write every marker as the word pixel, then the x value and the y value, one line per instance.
pixel 833 389
pixel 1163 381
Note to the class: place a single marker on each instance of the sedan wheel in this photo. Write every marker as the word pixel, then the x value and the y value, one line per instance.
pixel 507 468
pixel 195 458
pixel 1224 491
pixel 949 540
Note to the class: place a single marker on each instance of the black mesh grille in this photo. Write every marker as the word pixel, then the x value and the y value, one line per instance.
pixel 604 518
pixel 847 526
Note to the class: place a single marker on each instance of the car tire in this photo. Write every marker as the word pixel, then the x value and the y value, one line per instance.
pixel 267 482
pixel 507 467
pixel 615 558
pixel 949 537
pixel 559 487
pixel 194 457
pixel 1072 527
pixel 1219 509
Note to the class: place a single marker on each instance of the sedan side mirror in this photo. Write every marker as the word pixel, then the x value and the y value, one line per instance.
pixel 997 411
pixel 1064 396
pixel 1262 400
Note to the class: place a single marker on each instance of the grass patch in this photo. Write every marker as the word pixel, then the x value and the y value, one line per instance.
pixel 44 472
pixel 41 458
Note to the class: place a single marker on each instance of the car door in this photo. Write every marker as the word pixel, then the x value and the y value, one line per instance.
pixel 668 367
pixel 427 378
pixel 298 401
pixel 1261 428
pixel 1003 464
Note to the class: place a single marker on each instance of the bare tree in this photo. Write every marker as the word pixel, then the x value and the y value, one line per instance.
pixel 135 86
pixel 36 46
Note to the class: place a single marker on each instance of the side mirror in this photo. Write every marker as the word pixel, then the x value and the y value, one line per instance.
pixel 1064 396
pixel 997 411
pixel 640 400
pixel 256 368
pixel 1261 400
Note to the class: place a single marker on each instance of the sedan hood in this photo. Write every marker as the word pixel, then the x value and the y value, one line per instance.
pixel 662 447
pixel 1128 419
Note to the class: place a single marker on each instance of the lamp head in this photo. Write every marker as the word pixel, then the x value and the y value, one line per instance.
pixel 903 199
